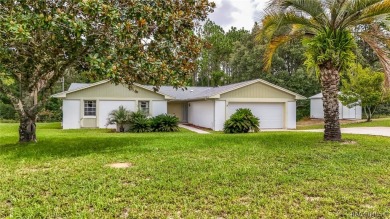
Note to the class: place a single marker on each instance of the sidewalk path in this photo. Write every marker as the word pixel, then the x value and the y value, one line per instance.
pixel 380 131
pixel 193 129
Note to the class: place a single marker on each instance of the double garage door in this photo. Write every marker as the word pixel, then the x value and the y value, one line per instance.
pixel 271 115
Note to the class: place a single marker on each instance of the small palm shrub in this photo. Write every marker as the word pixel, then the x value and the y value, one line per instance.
pixel 140 125
pixel 165 123
pixel 119 117
pixel 137 114
pixel 139 122
pixel 242 121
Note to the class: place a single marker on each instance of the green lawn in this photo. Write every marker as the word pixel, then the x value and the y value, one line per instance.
pixel 268 175
pixel 384 122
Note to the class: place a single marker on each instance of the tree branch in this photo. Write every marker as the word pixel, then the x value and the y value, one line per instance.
pixel 18 105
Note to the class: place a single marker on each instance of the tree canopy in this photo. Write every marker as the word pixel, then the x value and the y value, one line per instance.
pixel 366 88
pixel 147 41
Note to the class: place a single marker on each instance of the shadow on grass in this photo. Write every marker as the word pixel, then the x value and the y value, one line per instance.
pixel 65 144
pixel 65 148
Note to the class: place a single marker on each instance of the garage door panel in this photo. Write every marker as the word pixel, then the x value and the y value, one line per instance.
pixel 271 115
pixel 106 106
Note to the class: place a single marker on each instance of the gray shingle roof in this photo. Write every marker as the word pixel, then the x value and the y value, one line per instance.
pixel 75 86
pixel 199 92
pixel 181 93
pixel 192 93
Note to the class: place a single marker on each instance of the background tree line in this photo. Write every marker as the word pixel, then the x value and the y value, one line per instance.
pixel 227 57
pixel 236 55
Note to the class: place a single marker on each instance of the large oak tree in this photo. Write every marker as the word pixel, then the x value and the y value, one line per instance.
pixel 127 41
pixel 329 29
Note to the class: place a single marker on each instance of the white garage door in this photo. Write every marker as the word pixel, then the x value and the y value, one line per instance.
pixel 106 106
pixel 71 114
pixel 271 115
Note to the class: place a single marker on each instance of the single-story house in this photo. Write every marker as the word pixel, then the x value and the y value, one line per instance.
pixel 88 105
pixel 317 109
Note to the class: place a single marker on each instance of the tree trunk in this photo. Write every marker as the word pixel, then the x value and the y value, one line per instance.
pixel 371 111
pixel 368 114
pixel 330 80
pixel 27 130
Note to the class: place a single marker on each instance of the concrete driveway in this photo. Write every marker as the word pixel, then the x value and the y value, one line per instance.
pixel 380 131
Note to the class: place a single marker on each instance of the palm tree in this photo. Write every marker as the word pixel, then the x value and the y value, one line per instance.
pixel 328 30
pixel 120 117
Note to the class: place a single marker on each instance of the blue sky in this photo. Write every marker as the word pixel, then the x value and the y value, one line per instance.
pixel 237 13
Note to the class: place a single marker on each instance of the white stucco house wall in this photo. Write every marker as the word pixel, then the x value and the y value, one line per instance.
pixel 317 109
pixel 88 105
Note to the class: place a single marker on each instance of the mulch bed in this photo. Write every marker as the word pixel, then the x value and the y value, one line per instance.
pixel 198 127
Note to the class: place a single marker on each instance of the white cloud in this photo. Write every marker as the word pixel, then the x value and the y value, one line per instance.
pixel 237 13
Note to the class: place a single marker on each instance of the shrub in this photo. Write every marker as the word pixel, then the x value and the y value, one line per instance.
pixel 242 121
pixel 120 117
pixel 7 111
pixel 45 116
pixel 135 115
pixel 165 123
pixel 303 109
pixel 139 122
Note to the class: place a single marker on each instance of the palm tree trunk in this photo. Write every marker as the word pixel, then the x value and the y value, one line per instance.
pixel 330 79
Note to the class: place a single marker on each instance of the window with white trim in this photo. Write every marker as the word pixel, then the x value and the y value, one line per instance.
pixel 143 106
pixel 89 107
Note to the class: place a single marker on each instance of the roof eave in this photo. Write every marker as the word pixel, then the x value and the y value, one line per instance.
pixel 300 97
pixel 196 99
pixel 297 96
pixel 157 92
pixel 215 96
pixel 61 95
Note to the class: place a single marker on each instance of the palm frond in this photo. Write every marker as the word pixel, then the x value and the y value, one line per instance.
pixel 378 11
pixel 274 22
pixel 279 28
pixel 313 8
pixel 359 5
pixel 380 8
pixel 355 9
pixel 334 9
pixel 380 44
pixel 275 43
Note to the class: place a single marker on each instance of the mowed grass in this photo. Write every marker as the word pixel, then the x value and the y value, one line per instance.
pixel 187 175
pixel 383 122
